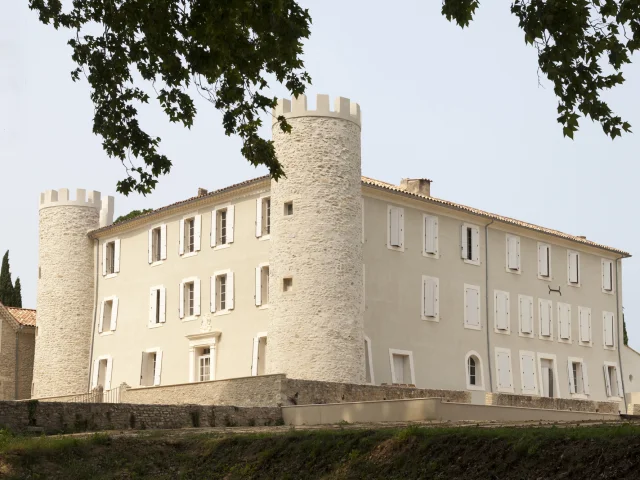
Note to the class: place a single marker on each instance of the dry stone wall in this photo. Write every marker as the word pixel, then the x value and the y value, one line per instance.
pixel 26 348
pixel 7 361
pixel 530 401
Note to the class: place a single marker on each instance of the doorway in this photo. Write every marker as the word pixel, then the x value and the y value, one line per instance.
pixel 548 380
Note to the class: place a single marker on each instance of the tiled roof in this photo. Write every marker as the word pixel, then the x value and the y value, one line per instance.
pixel 24 316
pixel 389 187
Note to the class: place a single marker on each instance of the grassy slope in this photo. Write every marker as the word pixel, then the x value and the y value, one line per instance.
pixel 453 453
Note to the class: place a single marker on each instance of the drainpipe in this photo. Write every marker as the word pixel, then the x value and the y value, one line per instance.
pixel 486 301
pixel 95 308
pixel 620 334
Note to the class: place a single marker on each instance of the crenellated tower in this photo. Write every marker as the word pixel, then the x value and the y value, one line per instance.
pixel 316 328
pixel 66 289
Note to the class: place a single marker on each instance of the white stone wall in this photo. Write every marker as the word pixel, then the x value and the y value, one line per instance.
pixel 316 330
pixel 65 300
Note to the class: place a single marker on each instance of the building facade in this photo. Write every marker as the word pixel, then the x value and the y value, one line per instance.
pixel 17 343
pixel 325 275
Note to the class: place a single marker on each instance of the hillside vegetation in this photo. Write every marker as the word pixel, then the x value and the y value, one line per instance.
pixel 444 453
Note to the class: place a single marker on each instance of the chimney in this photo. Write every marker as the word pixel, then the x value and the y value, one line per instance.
pixel 202 191
pixel 420 186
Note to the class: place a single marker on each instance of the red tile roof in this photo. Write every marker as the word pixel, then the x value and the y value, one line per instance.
pixel 24 316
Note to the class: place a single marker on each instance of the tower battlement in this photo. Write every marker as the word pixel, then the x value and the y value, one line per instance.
pixel 83 198
pixel 297 107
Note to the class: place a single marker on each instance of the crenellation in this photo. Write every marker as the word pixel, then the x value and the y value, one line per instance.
pixel 83 198
pixel 297 107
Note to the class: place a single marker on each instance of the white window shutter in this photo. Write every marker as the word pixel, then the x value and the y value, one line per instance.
pixel 564 311
pixel 152 306
pixel 502 310
pixel 528 373
pixel 101 320
pixel 96 368
pixel 573 267
pixel 512 252
pixel 608 329
pixel 526 314
pixel 116 260
pixel 231 214
pixel 181 237
pixel 213 294
pixel 230 291
pixel 463 242
pixel 572 385
pixel 607 382
pixel 196 296
pixel 157 374
pixel 585 324
pixel 258 217
pixel 150 246
pixel 104 258
pixel 108 373
pixel 545 317
pixel 163 242
pixel 430 297
pixel 181 304
pixel 258 286
pixel 394 227
pixel 542 261
pixel 114 313
pixel 198 231
pixel 472 306
pixel 607 275
pixel 254 361
pixel 214 227
pixel 475 242
pixel 430 234
pixel 163 304
pixel 585 378
pixel 504 370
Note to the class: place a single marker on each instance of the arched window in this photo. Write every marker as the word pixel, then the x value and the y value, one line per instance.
pixel 473 371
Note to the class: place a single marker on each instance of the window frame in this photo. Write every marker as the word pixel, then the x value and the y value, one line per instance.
pixel 161 246
pixel 436 305
pixel 157 367
pixel 189 224
pixel 401 229
pixel 579 269
pixel 535 390
pixel 156 310
pixel 516 238
pixel 553 358
pixel 435 221
pixel 215 292
pixel 263 217
pixel 613 333
pixel 466 323
pixel 115 258
pixel 113 318
pixel 406 353
pixel 475 259
pixel 479 365
pixel 496 329
pixel 260 286
pixel 529 299
pixel 368 356
pixel 604 262
pixel 547 302
pixel 619 384
pixel 572 379
pixel 197 299
pixel 215 233
pixel 108 374
pixel 581 342
pixel 199 341
pixel 559 307
pixel 500 388
pixel 549 277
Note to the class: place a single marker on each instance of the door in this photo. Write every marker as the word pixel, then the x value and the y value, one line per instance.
pixel 547 378
pixel 398 368
pixel 262 355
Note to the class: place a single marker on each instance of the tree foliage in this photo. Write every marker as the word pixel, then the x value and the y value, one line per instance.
pixel 17 294
pixel 225 49
pixel 132 214
pixel 10 296
pixel 574 40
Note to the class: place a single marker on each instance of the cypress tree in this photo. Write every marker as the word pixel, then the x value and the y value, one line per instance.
pixel 17 294
pixel 6 287
pixel 624 331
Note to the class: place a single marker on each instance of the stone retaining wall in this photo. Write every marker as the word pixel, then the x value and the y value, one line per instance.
pixel 530 401
pixel 56 417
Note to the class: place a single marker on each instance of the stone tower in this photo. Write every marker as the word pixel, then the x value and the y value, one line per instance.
pixel 316 327
pixel 66 290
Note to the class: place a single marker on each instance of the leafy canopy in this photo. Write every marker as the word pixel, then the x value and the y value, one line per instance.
pixel 132 214
pixel 574 39
pixel 223 48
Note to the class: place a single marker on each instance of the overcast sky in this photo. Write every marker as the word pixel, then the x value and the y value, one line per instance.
pixel 460 107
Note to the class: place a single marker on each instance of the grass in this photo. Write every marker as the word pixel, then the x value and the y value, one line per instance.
pixel 608 451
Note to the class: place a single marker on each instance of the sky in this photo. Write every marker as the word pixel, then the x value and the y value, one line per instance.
pixel 461 107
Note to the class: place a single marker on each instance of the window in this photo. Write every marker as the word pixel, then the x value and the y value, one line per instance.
pixel 501 312
pixel 548 375
pixel 262 285
pixel 287 284
pixel 472 307
pixel 577 374
pixel 189 298
pixel 222 293
pixel 608 329
pixel 395 228
pixel 544 261
pixel 573 268
pixel 430 299
pixel 368 362
pixel 513 253
pixel 102 371
pixel 190 229
pixel 259 362
pixel 430 246
pixel 473 371
pixel 288 209
pixel 612 380
pixel 607 276
pixel 108 315
pixel 564 322
pixel 204 364
pixel 470 241
pixel 111 257
pixel 504 375
pixel 402 371
pixel 528 377
pixel 584 321
pixel 158 244
pixel 157 306
pixel 545 315
pixel 151 367
pixel 263 217
pixel 525 315
pixel 222 226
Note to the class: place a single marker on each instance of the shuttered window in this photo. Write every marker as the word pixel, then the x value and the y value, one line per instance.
pixel 607 275
pixel 612 380
pixel 546 318
pixel 472 307
pixel 502 311
pixel 513 253
pixel 222 291
pixel 525 314
pixel 395 227
pixel 222 226
pixel 430 235
pixel 544 260
pixel 577 376
pixel 528 374
pixel 470 243
pixel 573 267
pixel 263 216
pixel 157 306
pixel 608 329
pixel 503 367
pixel 430 298
pixel 584 320
pixel 564 322
pixel 158 244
